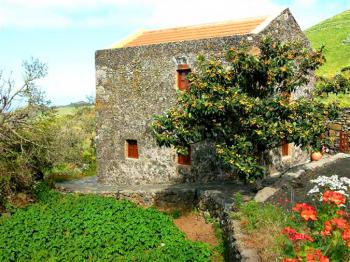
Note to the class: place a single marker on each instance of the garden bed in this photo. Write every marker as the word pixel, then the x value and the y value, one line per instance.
pixel 264 222
pixel 94 228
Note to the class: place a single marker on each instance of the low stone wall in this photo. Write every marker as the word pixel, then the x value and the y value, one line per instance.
pixel 221 206
pixel 342 124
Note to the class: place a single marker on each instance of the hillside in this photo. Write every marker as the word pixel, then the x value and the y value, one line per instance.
pixel 334 33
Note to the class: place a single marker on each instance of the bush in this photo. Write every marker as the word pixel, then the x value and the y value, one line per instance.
pixel 78 228
pixel 74 146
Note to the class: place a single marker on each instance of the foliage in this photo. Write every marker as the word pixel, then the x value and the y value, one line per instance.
pixel 26 131
pixel 79 228
pixel 74 153
pixel 327 236
pixel 241 104
pixel 334 89
pixel 340 83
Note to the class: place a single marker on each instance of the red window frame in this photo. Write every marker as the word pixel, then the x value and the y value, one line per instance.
pixel 132 150
pixel 182 73
pixel 184 159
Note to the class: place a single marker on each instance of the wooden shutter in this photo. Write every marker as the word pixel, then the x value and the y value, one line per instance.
pixel 182 81
pixel 184 159
pixel 285 148
pixel 132 149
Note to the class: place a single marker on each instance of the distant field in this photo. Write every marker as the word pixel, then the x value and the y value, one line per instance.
pixel 334 33
pixel 66 110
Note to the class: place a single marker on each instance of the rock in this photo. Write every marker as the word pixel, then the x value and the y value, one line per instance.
pixel 265 193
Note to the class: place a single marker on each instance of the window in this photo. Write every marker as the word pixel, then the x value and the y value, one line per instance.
pixel 132 150
pixel 285 148
pixel 182 73
pixel 184 159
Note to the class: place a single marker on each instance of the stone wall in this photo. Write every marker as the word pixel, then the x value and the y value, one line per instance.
pixel 340 125
pixel 135 83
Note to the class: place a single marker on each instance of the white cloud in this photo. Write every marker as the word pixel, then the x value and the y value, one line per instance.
pixel 61 13
pixel 69 84
pixel 184 12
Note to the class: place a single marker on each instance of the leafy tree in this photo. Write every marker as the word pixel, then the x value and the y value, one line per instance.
pixel 241 103
pixel 25 128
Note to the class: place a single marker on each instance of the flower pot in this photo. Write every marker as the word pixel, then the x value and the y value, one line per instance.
pixel 315 156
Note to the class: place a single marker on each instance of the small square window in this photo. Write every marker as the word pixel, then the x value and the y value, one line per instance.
pixel 132 150
pixel 182 81
pixel 184 159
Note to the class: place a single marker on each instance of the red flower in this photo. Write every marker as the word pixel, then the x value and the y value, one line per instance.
pixel 299 236
pixel 346 235
pixel 294 235
pixel 306 211
pixel 308 214
pixel 335 197
pixel 341 213
pixel 327 229
pixel 290 260
pixel 340 223
pixel 302 206
pixel 316 255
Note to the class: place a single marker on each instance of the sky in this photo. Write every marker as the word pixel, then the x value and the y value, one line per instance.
pixel 66 33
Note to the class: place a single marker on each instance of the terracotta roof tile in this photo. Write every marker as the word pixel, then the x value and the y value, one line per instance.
pixel 238 27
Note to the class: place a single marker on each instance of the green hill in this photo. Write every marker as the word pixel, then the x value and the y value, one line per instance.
pixel 334 33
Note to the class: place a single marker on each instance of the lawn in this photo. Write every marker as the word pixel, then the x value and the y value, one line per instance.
pixel 334 34
pixel 93 228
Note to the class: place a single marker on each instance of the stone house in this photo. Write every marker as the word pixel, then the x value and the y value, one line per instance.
pixel 141 76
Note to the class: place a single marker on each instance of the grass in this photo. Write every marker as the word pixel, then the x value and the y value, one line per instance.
pixel 263 224
pixel 93 228
pixel 67 110
pixel 334 33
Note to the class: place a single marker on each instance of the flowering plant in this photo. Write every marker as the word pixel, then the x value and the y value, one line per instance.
pixel 326 233
pixel 334 183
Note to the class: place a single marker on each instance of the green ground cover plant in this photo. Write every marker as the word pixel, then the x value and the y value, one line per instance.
pixel 93 228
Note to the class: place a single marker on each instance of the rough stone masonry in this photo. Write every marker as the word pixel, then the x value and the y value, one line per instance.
pixel 135 83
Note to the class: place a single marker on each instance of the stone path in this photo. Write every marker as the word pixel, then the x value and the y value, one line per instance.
pixel 335 164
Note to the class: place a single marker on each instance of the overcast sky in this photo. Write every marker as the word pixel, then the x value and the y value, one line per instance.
pixel 65 33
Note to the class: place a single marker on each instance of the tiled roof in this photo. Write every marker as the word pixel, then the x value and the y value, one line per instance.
pixel 237 27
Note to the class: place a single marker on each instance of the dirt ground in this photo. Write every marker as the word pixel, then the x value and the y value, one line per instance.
pixel 196 229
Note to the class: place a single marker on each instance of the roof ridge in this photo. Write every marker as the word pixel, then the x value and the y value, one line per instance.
pixel 209 24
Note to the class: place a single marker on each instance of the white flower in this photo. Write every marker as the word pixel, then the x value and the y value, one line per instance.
pixel 334 183
pixel 314 190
